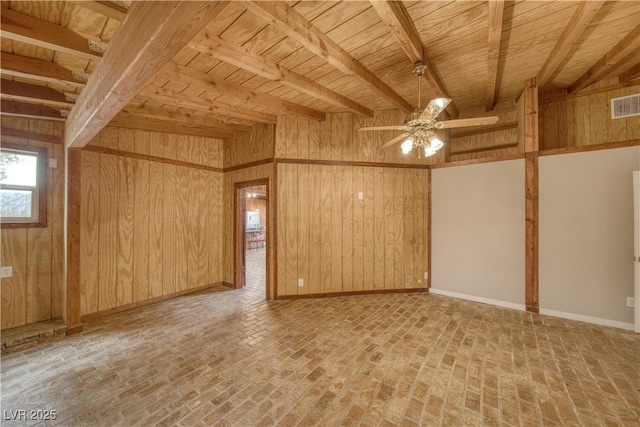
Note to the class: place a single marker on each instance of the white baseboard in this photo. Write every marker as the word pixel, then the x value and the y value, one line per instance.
pixel 474 298
pixel 588 319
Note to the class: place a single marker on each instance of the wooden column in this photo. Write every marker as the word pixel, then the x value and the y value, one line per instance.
pixel 531 146
pixel 74 324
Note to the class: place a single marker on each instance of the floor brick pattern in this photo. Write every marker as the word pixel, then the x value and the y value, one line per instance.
pixel 230 358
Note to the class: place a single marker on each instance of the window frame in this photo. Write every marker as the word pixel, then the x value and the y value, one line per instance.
pixel 42 155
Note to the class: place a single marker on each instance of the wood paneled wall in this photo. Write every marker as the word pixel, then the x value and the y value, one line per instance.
pixel 482 143
pixel 338 139
pixel 585 120
pixel 247 147
pixel 149 229
pixel 35 292
pixel 230 179
pixel 339 243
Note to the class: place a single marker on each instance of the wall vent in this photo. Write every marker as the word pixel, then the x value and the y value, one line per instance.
pixel 625 106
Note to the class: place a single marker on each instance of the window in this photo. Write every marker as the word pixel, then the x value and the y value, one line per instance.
pixel 23 197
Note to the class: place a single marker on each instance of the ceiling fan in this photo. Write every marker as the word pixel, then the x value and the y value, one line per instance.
pixel 419 125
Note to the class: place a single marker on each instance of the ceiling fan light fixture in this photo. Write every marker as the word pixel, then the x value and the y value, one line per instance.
pixel 407 146
pixel 435 143
pixel 428 151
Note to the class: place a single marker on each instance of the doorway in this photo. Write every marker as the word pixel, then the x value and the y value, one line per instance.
pixel 251 237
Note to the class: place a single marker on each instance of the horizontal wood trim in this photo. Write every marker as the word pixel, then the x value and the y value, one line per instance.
pixel 153 300
pixel 149 158
pixel 483 149
pixel 594 147
pixel 350 163
pixel 485 129
pixel 34 136
pixel 354 293
pixel 248 165
pixel 479 161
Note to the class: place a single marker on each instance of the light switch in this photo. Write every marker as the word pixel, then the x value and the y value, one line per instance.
pixel 360 195
pixel 53 163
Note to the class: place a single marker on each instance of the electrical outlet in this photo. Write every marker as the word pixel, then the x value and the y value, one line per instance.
pixel 300 283
pixel 631 302
pixel 360 195
pixel 419 281
pixel 53 163
pixel 6 272
pixel 426 275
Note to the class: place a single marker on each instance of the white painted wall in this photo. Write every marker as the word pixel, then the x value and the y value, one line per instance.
pixel 478 230
pixel 586 235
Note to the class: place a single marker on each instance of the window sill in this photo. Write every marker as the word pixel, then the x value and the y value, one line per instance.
pixel 4 225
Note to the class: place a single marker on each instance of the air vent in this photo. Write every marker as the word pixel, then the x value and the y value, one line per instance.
pixel 625 106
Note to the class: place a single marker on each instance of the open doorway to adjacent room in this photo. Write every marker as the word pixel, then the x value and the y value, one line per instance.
pixel 252 207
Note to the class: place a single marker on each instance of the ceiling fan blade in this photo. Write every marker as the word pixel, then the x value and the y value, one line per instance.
pixel 393 141
pixel 477 121
pixel 434 108
pixel 383 128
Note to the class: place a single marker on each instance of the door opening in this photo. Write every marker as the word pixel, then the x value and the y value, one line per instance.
pixel 251 244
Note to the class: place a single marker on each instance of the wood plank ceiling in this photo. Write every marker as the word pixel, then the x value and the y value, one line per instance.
pixel 256 60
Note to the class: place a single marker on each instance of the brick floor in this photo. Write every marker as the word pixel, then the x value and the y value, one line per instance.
pixel 231 358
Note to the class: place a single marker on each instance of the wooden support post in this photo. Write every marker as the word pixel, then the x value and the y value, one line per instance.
pixel 530 124
pixel 74 324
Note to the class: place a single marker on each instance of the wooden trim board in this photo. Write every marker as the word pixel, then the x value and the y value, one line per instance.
pixel 353 293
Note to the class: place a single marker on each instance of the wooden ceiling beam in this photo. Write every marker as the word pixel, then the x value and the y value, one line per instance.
pixel 585 12
pixel 496 11
pixel 21 109
pixel 163 126
pixel 152 34
pixel 204 81
pixel 37 69
pixel 25 92
pixel 605 64
pixel 171 97
pixel 181 118
pixel 231 53
pixel 33 136
pixel 297 27
pixel 106 8
pixel 631 74
pixel 396 17
pixel 41 33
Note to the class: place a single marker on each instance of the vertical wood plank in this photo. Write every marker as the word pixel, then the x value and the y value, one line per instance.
pixel 398 249
pixel 141 228
pixel 303 137
pixel 389 229
pixel 315 241
pixel 156 236
pixel 531 236
pixel 379 233
pixel 73 301
pixel 182 223
pixel 358 228
pixel 336 229
pixel 347 228
pixel 282 229
pixel 409 216
pixel 289 199
pixel 57 237
pixel 108 231
pixel 14 253
pixel 303 230
pixel 314 139
pixel 89 226
pixel 368 229
pixel 326 215
pixel 169 219
pixel 124 261
pixel 191 226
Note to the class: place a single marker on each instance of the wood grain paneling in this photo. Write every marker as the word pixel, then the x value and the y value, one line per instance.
pixel 586 120
pixel 337 138
pixel 149 223
pixel 359 245
pixel 247 147
pixel 35 292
